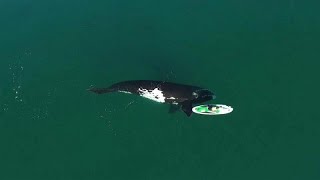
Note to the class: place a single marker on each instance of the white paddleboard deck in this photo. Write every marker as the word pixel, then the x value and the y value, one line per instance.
pixel 212 109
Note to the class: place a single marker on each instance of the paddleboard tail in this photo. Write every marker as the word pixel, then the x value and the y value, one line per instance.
pixel 101 90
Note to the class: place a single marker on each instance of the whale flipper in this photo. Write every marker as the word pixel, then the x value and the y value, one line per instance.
pixel 187 108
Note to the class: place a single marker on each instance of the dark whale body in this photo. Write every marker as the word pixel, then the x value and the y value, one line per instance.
pixel 163 92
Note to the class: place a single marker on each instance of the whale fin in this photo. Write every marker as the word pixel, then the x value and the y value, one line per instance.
pixel 101 90
pixel 187 108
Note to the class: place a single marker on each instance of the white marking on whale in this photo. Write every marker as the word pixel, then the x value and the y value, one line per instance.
pixel 125 92
pixel 155 95
pixel 171 98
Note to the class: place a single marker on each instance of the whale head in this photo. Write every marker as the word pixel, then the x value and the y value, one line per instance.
pixel 202 95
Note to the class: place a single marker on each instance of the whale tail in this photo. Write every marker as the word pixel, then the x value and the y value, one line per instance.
pixel 101 90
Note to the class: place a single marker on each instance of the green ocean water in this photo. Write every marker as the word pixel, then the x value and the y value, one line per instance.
pixel 262 58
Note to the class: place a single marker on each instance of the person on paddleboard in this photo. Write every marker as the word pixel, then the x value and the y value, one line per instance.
pixel 213 108
pixel 208 108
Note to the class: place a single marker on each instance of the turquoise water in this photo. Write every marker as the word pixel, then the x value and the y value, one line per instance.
pixel 262 58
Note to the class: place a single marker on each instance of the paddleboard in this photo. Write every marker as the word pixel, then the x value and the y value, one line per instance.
pixel 212 109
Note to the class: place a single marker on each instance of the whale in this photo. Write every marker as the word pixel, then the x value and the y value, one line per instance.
pixel 182 95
